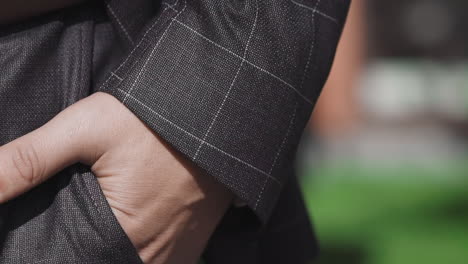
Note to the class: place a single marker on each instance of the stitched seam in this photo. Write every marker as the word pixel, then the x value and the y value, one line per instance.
pixel 232 83
pixel 70 99
pixel 246 61
pixel 120 23
pixel 197 138
pixel 312 46
pixel 291 123
pixel 84 89
pixel 137 46
pixel 93 200
pixel 104 226
pixel 152 53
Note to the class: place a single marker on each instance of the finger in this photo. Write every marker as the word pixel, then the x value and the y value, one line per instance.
pixel 31 159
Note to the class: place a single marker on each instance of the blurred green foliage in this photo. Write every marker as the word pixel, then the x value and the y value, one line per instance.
pixel 377 215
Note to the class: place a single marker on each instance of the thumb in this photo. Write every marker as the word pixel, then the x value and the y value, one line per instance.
pixel 33 158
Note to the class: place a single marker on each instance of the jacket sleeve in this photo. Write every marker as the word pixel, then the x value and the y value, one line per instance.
pixel 231 84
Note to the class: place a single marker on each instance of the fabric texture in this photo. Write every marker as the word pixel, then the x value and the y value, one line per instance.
pixel 229 84
pixel 45 67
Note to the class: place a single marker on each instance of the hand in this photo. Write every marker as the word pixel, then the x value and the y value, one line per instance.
pixel 167 207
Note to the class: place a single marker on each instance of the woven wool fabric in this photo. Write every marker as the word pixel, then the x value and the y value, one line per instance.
pixel 229 84
pixel 45 67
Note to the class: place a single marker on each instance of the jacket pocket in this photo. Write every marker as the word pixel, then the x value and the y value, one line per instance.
pixel 64 220
pixel 106 222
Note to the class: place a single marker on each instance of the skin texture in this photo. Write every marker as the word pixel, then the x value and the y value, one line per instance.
pixel 167 206
pixel 337 113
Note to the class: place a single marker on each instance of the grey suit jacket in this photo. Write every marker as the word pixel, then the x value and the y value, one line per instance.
pixel 230 84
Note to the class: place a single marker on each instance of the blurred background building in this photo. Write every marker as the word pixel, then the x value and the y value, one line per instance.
pixel 384 166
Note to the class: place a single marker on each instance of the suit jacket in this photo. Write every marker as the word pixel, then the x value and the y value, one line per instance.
pixel 229 84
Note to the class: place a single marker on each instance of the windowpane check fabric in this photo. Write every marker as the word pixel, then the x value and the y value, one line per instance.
pixel 231 84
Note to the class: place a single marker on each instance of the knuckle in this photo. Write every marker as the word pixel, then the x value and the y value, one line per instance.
pixel 26 163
